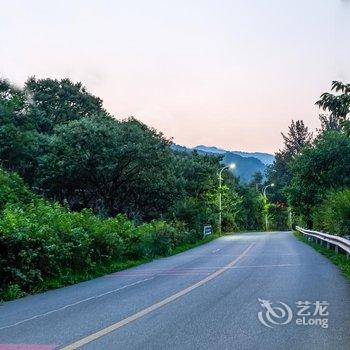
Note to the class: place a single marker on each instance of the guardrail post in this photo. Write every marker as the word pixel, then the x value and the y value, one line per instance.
pixel 330 240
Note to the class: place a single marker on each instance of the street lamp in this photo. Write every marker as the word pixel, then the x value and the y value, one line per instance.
pixel 264 193
pixel 270 185
pixel 230 166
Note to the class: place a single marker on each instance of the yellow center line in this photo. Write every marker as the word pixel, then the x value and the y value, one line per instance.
pixel 81 342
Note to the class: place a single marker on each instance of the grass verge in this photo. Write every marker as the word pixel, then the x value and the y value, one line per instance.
pixel 338 259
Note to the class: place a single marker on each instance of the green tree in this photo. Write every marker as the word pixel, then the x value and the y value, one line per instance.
pixel 338 106
pixel 279 172
pixel 196 180
pixel 54 102
pixel 257 180
pixel 319 169
pixel 333 215
pixel 108 166
pixel 19 142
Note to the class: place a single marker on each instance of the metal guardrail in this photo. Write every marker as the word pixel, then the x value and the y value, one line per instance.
pixel 336 241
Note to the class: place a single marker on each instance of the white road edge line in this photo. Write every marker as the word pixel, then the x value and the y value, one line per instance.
pixel 88 339
pixel 76 303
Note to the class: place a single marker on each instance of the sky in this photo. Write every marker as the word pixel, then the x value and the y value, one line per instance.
pixel 225 73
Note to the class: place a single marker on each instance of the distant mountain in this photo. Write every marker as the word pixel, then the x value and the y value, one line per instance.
pixel 210 149
pixel 246 167
pixel 265 158
pixel 179 148
pixel 247 164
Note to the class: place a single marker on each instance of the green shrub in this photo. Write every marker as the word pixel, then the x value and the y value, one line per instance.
pixel 278 217
pixel 160 237
pixel 334 214
pixel 157 238
pixel 185 235
pixel 229 222
pixel 13 190
pixel 45 245
pixel 13 291
pixel 195 213
pixel 250 215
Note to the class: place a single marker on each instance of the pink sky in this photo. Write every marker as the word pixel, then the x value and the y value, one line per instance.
pixel 229 73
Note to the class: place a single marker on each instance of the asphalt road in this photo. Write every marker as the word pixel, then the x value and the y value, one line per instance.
pixel 204 298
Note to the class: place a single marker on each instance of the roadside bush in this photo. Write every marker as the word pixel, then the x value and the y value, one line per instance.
pixel 250 210
pixel 229 222
pixel 194 212
pixel 160 237
pixel 278 217
pixel 12 189
pixel 44 244
pixel 157 238
pixel 334 214
pixel 43 241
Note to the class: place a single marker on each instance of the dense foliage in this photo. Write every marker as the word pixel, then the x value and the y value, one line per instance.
pixel 44 244
pixel 312 175
pixel 333 215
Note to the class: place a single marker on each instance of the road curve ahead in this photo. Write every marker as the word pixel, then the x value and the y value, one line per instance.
pixel 245 291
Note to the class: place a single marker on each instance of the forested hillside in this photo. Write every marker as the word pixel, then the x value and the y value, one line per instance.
pixel 247 163
pixel 265 158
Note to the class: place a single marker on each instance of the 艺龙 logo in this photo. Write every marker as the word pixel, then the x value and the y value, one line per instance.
pixel 308 314
pixel 274 315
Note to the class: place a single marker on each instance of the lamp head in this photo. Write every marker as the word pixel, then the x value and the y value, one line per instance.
pixel 232 166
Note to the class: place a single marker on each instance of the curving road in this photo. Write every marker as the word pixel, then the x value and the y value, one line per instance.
pixel 204 298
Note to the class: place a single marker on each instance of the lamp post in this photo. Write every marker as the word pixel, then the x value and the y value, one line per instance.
pixel 266 213
pixel 230 166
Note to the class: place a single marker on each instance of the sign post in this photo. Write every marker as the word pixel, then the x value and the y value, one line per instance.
pixel 207 230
